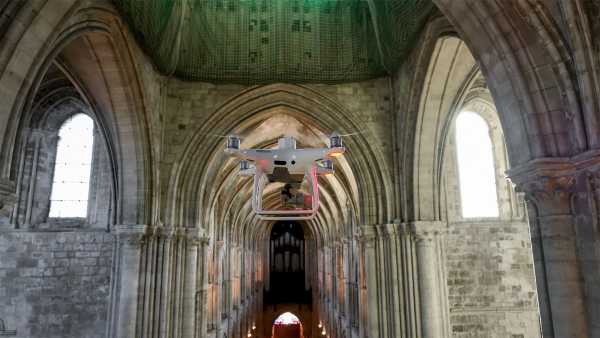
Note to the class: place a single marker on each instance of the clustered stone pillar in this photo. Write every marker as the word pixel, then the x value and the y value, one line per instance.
pixel 389 264
pixel 159 283
pixel 126 280
pixel 558 270
pixel 431 281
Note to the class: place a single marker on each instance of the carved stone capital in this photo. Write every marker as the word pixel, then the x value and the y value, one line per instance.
pixel 159 231
pixel 194 238
pixel 427 231
pixel 551 195
pixel 131 235
pixel 549 183
pixel 385 230
pixel 366 234
pixel 178 232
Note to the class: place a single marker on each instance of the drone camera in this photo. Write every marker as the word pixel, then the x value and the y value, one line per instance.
pixel 246 168
pixel 233 142
pixel 335 141
pixel 326 167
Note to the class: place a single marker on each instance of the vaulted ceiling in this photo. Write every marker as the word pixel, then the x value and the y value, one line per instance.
pixel 262 41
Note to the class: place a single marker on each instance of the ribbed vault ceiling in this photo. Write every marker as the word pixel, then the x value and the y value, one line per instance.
pixel 262 41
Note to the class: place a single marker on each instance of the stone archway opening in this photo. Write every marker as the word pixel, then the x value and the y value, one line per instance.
pixel 287 325
pixel 287 265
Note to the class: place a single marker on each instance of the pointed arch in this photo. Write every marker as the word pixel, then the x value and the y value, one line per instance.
pixel 364 176
pixel 89 43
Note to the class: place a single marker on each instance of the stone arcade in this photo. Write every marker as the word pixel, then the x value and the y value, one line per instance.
pixel 120 216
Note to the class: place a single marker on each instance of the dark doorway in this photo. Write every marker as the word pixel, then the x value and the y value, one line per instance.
pixel 287 265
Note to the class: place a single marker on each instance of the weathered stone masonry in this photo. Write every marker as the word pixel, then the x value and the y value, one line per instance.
pixel 55 284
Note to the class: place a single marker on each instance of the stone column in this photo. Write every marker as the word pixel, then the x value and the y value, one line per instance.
pixel 381 267
pixel 370 316
pixel 430 277
pixel 202 288
pixel 410 288
pixel 557 265
pixel 190 287
pixel 395 291
pixel 126 276
pixel 166 240
pixel 346 263
pixel 218 286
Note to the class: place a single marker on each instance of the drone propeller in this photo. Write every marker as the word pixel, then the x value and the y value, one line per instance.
pixel 351 134
pixel 335 133
pixel 215 135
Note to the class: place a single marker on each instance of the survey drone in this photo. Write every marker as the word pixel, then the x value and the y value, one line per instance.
pixel 297 169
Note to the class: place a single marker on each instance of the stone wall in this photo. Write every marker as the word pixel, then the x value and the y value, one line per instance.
pixel 491 286
pixel 55 284
pixel 189 104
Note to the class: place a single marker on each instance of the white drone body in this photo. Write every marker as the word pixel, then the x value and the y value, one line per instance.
pixel 296 168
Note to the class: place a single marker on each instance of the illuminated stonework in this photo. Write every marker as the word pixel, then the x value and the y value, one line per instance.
pixel 170 246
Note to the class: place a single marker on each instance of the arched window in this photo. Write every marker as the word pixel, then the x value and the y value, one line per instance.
pixel 476 166
pixel 70 187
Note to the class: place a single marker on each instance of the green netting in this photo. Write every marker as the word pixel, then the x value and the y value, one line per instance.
pixel 261 41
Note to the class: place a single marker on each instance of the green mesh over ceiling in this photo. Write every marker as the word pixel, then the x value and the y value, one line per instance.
pixel 262 41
